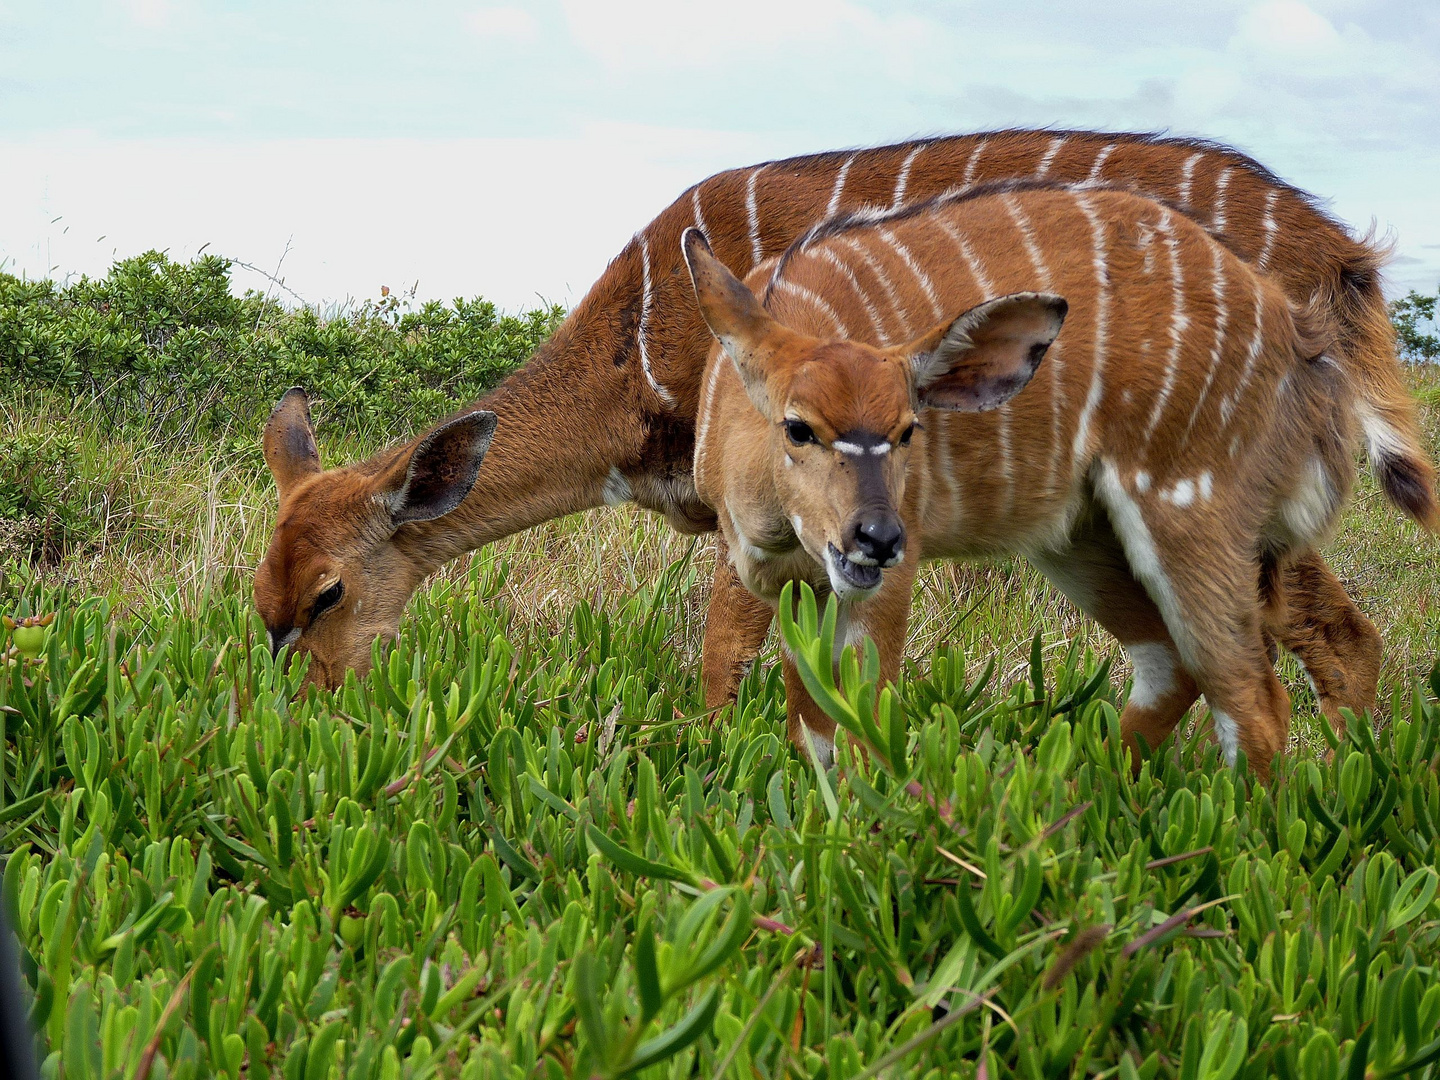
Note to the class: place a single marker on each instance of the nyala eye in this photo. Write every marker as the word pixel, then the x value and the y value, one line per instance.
pixel 799 432
pixel 328 599
pixel 905 435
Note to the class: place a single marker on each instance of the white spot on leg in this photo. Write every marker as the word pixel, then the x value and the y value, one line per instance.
pixel 1228 734
pixel 1154 665
pixel 799 525
pixel 617 488
pixel 1142 481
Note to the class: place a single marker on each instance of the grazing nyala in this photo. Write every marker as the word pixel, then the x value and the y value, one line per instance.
pixel 1189 434
pixel 605 411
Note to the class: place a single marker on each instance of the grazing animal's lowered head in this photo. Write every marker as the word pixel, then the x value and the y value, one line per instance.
pixel 344 557
pixel 841 414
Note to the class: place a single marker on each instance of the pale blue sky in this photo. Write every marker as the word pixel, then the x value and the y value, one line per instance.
pixel 509 149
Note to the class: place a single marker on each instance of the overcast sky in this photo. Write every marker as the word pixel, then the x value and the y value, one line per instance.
pixel 510 150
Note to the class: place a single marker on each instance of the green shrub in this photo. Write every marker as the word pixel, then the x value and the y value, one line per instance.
pixel 46 508
pixel 1414 319
pixel 165 347
pixel 510 858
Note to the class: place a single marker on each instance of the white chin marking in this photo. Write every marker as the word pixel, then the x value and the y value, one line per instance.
pixel 1228 734
pixel 844 591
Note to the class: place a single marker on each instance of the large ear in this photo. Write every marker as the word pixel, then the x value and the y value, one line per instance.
pixel 440 471
pixel 289 441
pixel 986 356
pixel 744 329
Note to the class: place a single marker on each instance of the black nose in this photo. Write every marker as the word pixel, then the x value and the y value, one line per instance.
pixel 880 536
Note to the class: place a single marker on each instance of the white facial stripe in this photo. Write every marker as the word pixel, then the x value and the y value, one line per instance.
pixel 880 448
pixel 848 447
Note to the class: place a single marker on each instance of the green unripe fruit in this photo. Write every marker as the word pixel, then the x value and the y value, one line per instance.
pixel 352 930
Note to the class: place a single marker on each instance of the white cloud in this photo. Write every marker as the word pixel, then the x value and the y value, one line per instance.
pixel 1289 29
pixel 509 24
pixel 149 13
pixel 649 35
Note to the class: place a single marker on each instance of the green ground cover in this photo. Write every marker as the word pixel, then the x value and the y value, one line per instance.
pixel 520 846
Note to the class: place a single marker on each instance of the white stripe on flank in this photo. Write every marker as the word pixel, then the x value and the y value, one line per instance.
pixel 645 302
pixel 1270 227
pixel 1027 237
pixel 974 160
pixel 944 465
pixel 1053 358
pixel 839 186
pixel 1179 322
pixel 1187 177
pixel 926 285
pixel 1129 524
pixel 1100 160
pixel 1217 223
pixel 829 255
pixel 699 217
pixel 815 300
pixel 1049 158
pixel 1227 407
pixel 1081 449
pixel 879 272
pixel 757 250
pixel 1007 467
pixel 1222 316
pixel 904 177
pixel 987 287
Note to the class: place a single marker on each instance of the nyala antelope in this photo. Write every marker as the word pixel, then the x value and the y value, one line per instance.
pixel 1189 435
pixel 605 412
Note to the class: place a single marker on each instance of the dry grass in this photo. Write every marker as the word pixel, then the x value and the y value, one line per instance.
pixel 188 521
